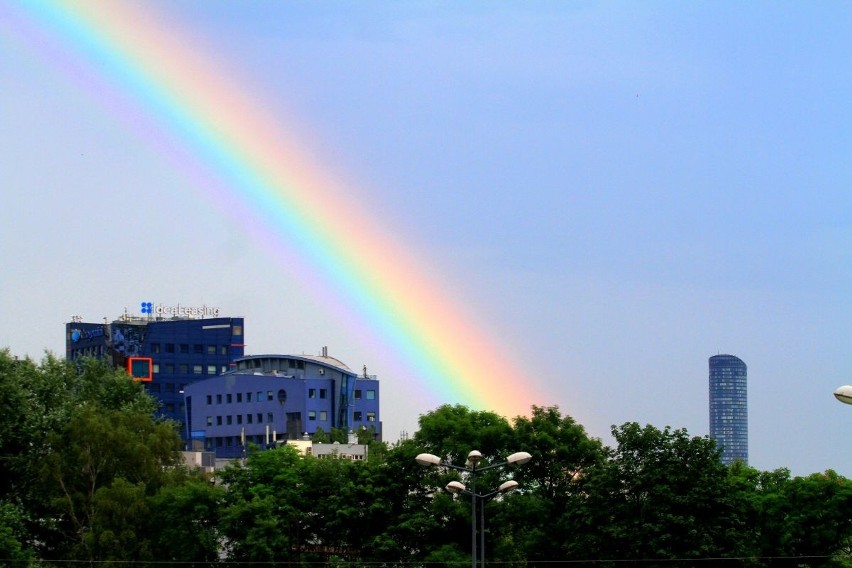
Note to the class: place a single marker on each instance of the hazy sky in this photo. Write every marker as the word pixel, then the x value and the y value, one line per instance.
pixel 617 190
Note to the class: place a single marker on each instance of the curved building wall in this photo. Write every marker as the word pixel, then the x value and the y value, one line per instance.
pixel 729 406
pixel 269 399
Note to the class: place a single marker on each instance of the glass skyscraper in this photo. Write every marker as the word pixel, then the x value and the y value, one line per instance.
pixel 729 407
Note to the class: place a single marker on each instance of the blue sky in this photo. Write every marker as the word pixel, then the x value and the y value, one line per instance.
pixel 619 190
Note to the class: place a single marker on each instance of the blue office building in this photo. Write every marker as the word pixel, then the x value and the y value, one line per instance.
pixel 729 407
pixel 269 399
pixel 166 347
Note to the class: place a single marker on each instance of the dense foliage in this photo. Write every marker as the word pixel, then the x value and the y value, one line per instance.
pixel 89 477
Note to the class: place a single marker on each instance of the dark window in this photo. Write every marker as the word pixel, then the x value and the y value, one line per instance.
pixel 312 393
pixel 198 348
pixel 269 417
pixel 357 416
pixel 209 399
pixel 155 348
pixel 170 347
pixel 323 393
pixel 184 348
pixel 239 418
pixel 248 397
pixel 312 414
pixel 229 419
pixel 357 394
pixel 228 398
pixel 170 368
pixel 218 399
pixel 218 421
pixel 183 369
pixel 249 418
pixel 239 397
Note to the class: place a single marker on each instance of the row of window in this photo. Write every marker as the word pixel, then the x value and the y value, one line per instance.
pixel 186 369
pixel 184 348
pixel 249 419
pixel 269 395
pixel 257 418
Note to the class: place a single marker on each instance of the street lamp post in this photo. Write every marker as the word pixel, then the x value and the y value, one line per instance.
pixel 505 487
pixel 473 459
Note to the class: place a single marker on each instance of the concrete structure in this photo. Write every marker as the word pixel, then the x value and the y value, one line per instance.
pixel 729 407
pixel 166 347
pixel 270 399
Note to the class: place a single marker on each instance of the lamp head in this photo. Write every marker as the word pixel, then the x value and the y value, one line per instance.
pixel 456 487
pixel 518 458
pixel 474 457
pixel 507 486
pixel 428 460
pixel 844 394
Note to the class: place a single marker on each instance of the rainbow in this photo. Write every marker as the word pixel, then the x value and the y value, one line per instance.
pixel 164 88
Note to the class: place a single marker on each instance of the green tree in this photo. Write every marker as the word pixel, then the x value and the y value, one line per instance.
pixel 660 495
pixel 184 521
pixel 261 517
pixel 104 463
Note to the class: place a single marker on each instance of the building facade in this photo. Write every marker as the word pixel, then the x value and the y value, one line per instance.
pixel 729 407
pixel 174 346
pixel 267 400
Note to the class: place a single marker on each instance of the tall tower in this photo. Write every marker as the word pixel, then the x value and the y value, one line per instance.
pixel 729 407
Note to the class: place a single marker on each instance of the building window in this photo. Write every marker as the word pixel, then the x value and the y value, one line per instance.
pixel 239 418
pixel 357 416
pixel 229 420
pixel 211 349
pixel 249 418
pixel 312 414
pixel 211 369
pixel 239 397
pixel 155 348
pixel 248 397
pixel 170 387
pixel 183 368
pixel 259 396
pixel 228 398
pixel 155 368
pixel 209 399
pixel 357 394
pixel 371 417
pixel 223 350
pixel 170 368
pixel 312 393
pixel 210 421
pixel 269 395
pixel 269 417
pixel 218 399
pixel 198 348
pixel 196 369
pixel 323 415
pixel 170 347
pixel 170 407
pixel 218 421
pixel 237 330
pixel 260 418
pixel 184 348
pixel 323 393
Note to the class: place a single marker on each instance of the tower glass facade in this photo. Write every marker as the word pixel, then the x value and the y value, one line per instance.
pixel 729 407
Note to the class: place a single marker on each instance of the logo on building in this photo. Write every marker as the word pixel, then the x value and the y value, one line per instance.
pixel 150 308
pixel 78 334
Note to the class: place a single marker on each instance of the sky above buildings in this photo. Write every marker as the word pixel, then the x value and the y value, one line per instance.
pixel 613 192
